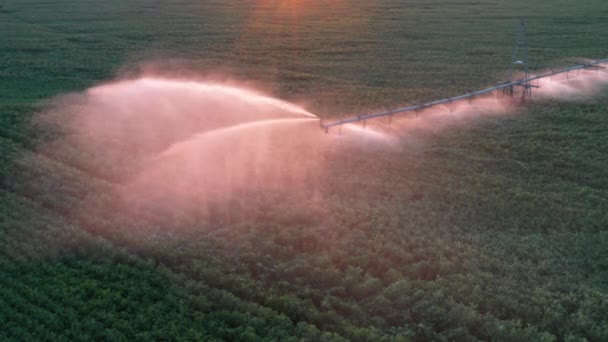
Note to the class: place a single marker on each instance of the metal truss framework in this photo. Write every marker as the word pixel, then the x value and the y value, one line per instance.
pixel 506 88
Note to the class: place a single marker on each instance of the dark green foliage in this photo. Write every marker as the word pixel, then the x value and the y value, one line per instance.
pixel 493 230
pixel 80 300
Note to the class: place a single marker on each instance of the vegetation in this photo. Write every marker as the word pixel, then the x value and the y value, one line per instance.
pixel 490 231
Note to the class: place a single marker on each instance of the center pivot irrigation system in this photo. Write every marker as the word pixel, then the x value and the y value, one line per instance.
pixel 506 88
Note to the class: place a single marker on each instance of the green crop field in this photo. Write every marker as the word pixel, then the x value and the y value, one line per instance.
pixel 496 229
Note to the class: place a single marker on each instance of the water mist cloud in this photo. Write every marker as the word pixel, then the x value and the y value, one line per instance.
pixel 189 145
pixel 186 144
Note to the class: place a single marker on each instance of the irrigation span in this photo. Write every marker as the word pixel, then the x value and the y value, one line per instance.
pixel 506 88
